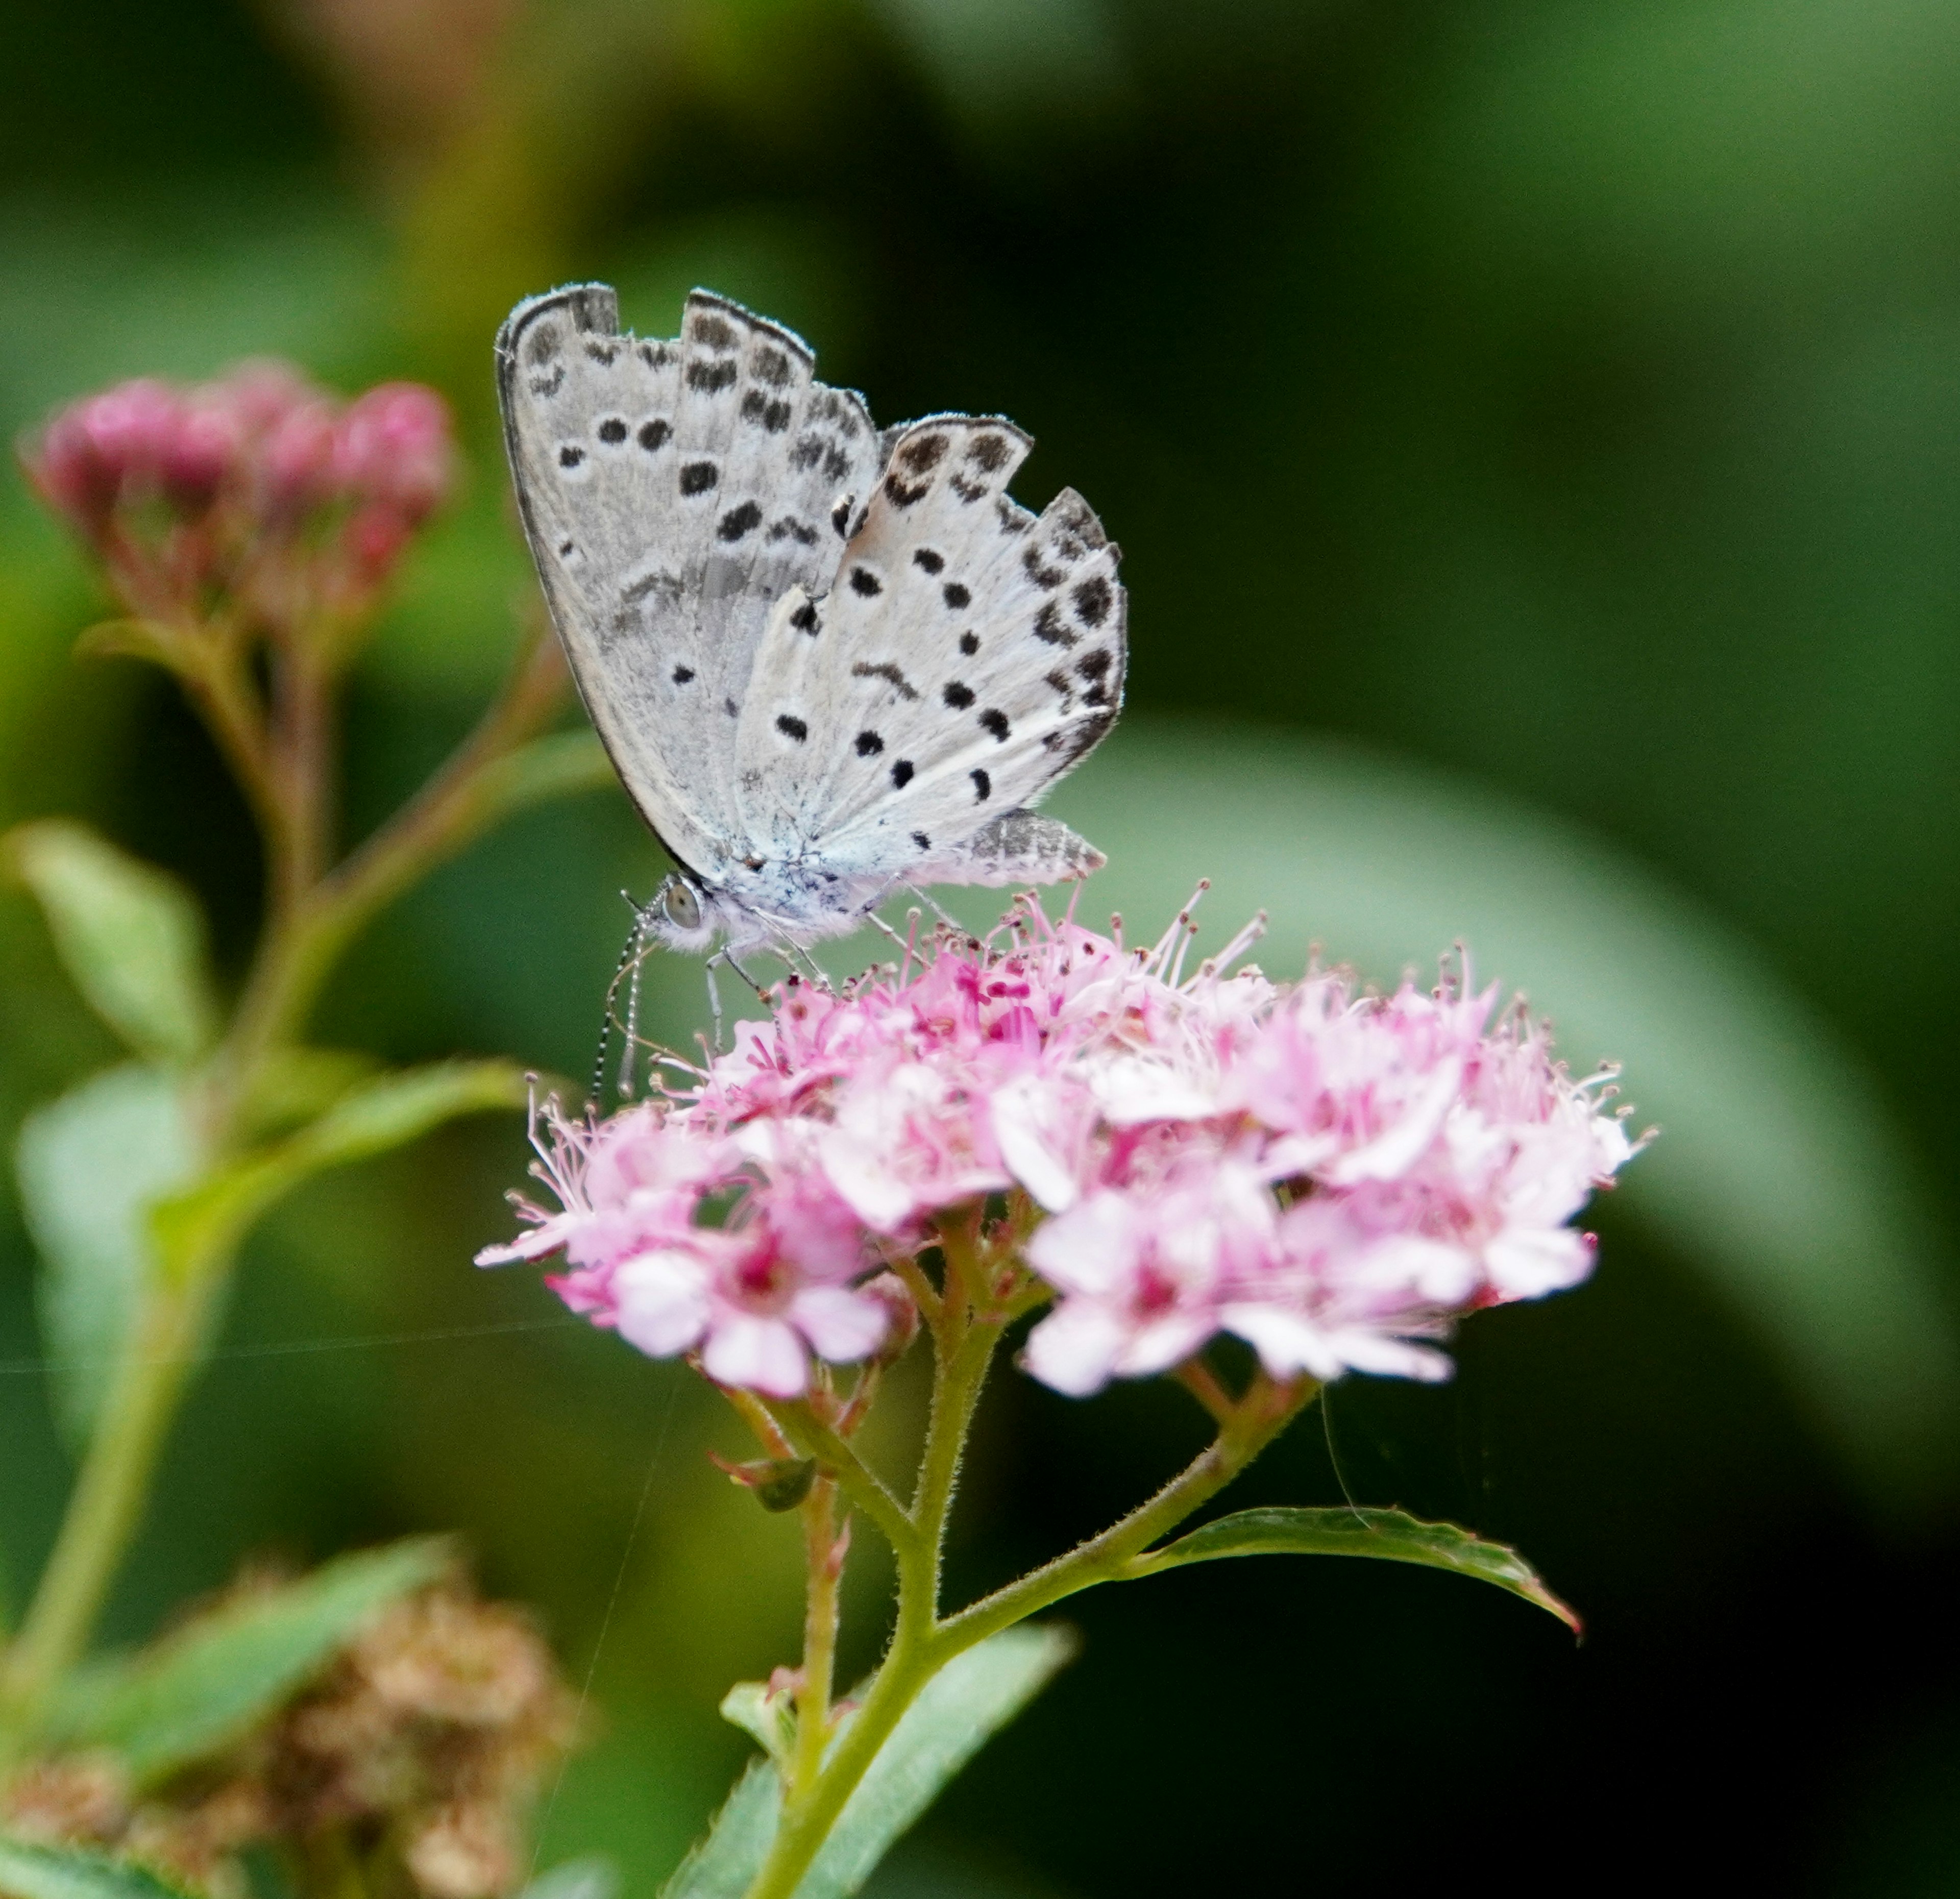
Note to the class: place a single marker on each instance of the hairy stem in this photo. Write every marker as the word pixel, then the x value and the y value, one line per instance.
pixel 823 1549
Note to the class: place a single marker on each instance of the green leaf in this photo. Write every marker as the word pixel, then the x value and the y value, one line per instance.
pixel 294 1085
pixel 131 936
pixel 90 1166
pixel 724 1865
pixel 593 1876
pixel 767 1715
pixel 207 1686
pixel 65 1872
pixel 205 1222
pixel 970 1699
pixel 1392 1536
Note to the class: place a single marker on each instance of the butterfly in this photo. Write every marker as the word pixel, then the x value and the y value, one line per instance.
pixel 827 662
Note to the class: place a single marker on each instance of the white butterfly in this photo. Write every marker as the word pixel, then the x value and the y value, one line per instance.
pixel 826 661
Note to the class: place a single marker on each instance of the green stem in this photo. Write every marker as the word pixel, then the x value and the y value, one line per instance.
pixel 106 1506
pixel 809 1436
pixel 922 1645
pixel 1265 1411
pixel 480 782
pixel 824 1554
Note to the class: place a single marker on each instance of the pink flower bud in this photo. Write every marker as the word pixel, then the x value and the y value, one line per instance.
pixel 297 461
pixel 260 395
pixel 393 446
pixel 70 473
pixel 373 541
pixel 204 450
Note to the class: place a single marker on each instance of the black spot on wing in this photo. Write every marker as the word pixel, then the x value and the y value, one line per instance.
pixel 790 528
pixel 654 434
pixel 602 352
pixel 969 643
pixel 790 726
pixel 711 378
pixel 697 478
pixel 983 786
pixel 804 619
pixel 885 669
pixel 863 581
pixel 925 557
pixel 958 695
pixel 612 430
pixel 1039 571
pixel 738 521
pixel 956 596
pixel 1048 627
pixel 770 365
pixel 870 744
pixel 544 343
pixel 988 452
pixel 772 412
pixel 904 494
pixel 682 674
pixel 716 332
pixel 570 457
pixel 548 385
pixel 920 839
pixel 1093 600
pixel 923 452
pixel 996 722
pixel 902 775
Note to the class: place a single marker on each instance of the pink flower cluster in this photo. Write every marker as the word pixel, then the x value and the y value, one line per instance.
pixel 258 485
pixel 1332 1175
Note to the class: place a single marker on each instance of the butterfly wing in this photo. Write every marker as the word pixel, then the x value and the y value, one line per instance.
pixel 673 492
pixel 967 656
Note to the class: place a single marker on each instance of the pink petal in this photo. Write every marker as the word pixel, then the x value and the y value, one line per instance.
pixel 1396 1149
pixel 1092 1248
pixel 661 1300
pixel 1024 1146
pixel 1075 1348
pixel 1526 1264
pixel 754 1354
pixel 843 1326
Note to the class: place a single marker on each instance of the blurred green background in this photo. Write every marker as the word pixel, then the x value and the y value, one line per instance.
pixel 1534 429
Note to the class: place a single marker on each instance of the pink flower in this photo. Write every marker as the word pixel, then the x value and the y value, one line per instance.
pixel 1333 1176
pixel 256 485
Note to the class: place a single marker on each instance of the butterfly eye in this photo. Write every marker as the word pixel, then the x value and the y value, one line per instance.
pixel 680 905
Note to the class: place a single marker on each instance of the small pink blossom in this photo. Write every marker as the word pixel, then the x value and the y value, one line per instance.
pixel 1333 1176
pixel 257 488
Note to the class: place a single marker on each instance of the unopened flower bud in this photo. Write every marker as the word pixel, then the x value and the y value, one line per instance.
pixel 392 446
pixel 199 454
pixel 298 462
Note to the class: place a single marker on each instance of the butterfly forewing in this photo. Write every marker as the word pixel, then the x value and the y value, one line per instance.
pixel 673 492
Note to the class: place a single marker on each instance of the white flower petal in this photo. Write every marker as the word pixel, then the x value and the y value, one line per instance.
pixel 1285 1341
pixel 661 1300
pixel 1073 1349
pixel 1523 1264
pixel 1396 1149
pixel 764 1355
pixel 1092 1248
pixel 843 1326
pixel 1019 1132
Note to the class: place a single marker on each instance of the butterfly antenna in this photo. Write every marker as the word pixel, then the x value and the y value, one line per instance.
pixel 632 1048
pixel 714 997
pixel 594 1095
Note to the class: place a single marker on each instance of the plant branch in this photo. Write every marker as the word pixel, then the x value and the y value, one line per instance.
pixel 836 1459
pixel 1265 1411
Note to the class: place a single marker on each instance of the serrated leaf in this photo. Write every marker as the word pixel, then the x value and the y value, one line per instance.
pixel 131 936
pixel 970 1700
pixel 206 1687
pixel 66 1872
pixel 1390 1536
pixel 370 1119
pixel 723 1865
pixel 90 1166
pixel 593 1877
